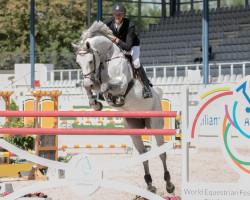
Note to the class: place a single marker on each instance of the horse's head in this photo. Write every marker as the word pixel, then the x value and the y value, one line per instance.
pixel 89 61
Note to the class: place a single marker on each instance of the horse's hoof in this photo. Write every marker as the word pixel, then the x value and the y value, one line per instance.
pixel 170 189
pixel 152 189
pixel 98 106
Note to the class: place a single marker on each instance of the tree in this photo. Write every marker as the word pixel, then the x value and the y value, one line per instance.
pixel 14 26
pixel 57 24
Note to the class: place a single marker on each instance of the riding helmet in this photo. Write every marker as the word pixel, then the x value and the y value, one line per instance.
pixel 118 8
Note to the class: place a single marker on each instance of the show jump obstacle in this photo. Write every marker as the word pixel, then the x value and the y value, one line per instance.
pixel 87 182
pixel 79 181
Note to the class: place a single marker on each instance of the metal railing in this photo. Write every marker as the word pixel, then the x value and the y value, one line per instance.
pixel 59 60
pixel 216 70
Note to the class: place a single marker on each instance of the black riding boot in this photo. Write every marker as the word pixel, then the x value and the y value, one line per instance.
pixel 146 92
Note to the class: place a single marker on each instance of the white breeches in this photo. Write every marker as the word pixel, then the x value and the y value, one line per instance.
pixel 135 53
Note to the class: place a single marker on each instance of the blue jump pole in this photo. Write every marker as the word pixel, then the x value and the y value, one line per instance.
pixel 205 41
pixel 99 10
pixel 32 41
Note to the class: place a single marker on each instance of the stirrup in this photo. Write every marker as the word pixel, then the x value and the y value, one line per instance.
pixel 146 92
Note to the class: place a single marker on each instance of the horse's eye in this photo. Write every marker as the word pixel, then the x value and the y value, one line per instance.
pixel 90 62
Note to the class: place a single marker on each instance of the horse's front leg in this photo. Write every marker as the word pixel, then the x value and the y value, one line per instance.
pixel 93 102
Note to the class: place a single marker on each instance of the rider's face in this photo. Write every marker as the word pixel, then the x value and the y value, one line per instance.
pixel 118 17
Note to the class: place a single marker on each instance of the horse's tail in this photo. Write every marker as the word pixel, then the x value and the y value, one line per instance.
pixel 159 91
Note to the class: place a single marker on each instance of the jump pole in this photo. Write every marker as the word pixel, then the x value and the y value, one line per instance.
pixel 53 131
pixel 127 114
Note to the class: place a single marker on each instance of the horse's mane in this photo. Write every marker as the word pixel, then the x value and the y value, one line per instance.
pixel 97 27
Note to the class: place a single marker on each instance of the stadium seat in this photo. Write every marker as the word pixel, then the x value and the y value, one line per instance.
pixel 233 78
pixel 239 77
pixel 181 80
pixel 158 80
pixel 170 80
pixel 175 80
pixel 164 80
pixel 226 78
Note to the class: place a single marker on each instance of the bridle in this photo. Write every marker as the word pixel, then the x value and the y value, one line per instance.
pixel 94 70
pixel 88 75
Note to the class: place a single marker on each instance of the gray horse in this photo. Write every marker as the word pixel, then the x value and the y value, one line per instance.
pixel 105 69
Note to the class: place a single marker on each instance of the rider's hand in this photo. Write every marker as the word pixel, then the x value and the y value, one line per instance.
pixel 115 39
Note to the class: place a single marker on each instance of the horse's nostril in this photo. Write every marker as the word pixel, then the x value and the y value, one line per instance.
pixel 91 85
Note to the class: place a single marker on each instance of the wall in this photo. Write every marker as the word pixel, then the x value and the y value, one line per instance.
pixel 22 73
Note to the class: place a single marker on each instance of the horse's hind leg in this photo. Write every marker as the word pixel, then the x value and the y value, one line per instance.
pixel 137 141
pixel 169 185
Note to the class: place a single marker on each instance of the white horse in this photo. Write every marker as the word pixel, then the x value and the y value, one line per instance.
pixel 105 69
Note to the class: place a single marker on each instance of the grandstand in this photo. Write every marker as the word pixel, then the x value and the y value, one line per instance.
pixel 178 40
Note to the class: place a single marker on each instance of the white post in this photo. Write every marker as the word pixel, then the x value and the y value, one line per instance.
pixel 244 69
pixel 164 72
pixel 184 134
pixel 52 77
pixel 61 75
pixel 154 70
pixel 69 75
pixel 219 68
pixel 232 69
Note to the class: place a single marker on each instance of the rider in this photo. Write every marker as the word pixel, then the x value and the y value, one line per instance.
pixel 126 38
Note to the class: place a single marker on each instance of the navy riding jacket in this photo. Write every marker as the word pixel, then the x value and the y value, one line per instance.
pixel 126 34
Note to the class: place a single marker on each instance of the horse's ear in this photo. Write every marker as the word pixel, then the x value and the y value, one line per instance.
pixel 75 47
pixel 88 45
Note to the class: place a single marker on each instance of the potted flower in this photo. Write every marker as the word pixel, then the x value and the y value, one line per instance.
pixel 4 194
pixel 167 198
pixel 31 196
pixel 35 196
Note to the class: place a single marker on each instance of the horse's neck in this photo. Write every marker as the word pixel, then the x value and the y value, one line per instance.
pixel 117 51
pixel 124 65
pixel 101 44
pixel 110 51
